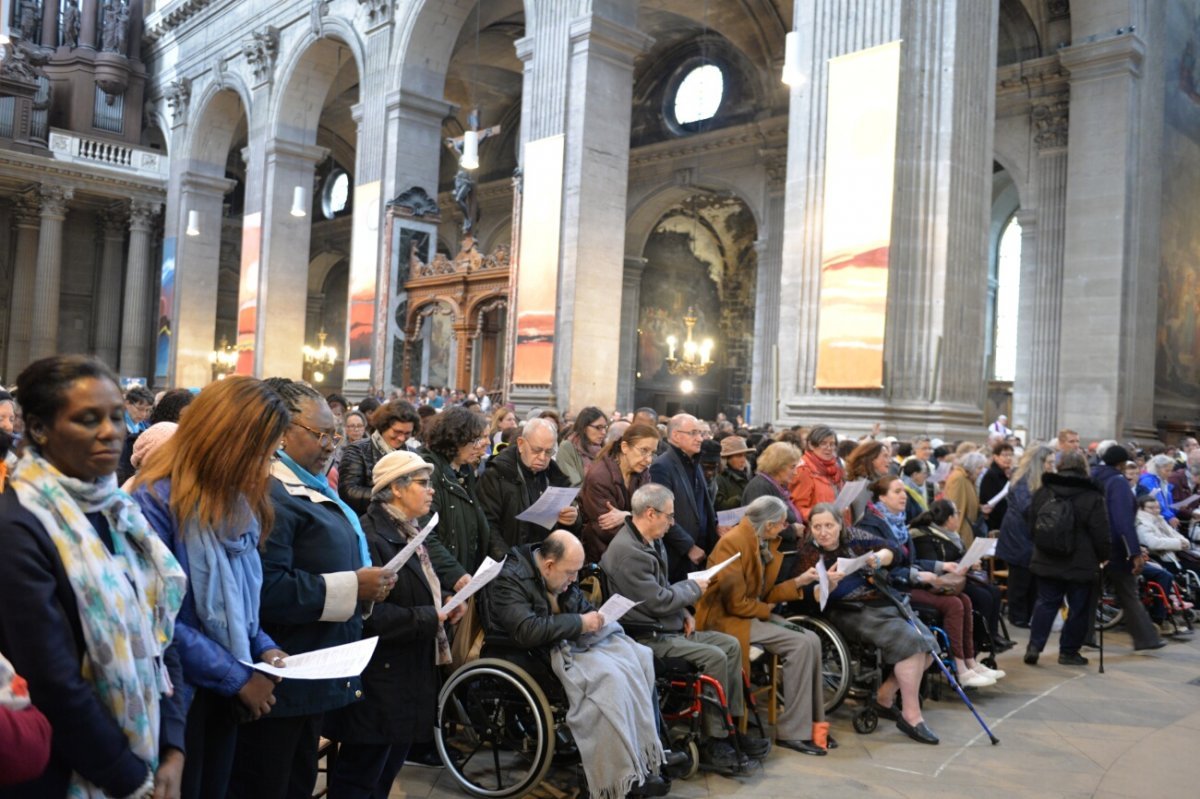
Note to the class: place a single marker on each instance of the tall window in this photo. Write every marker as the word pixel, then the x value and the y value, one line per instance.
pixel 1008 292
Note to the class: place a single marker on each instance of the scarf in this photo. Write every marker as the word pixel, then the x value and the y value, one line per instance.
pixel 793 511
pixel 916 492
pixel 830 469
pixel 14 691
pixel 895 521
pixel 406 530
pixel 587 452
pixel 226 583
pixel 127 599
pixel 380 444
pixel 321 486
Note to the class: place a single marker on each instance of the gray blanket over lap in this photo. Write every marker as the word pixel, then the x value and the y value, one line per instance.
pixel 609 680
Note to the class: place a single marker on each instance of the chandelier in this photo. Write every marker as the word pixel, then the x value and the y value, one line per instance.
pixel 223 359
pixel 696 357
pixel 320 359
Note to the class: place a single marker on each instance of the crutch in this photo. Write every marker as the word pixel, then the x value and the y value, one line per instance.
pixel 881 584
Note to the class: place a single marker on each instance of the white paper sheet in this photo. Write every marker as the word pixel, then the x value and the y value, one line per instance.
pixel 1184 504
pixel 707 574
pixel 1003 493
pixel 728 518
pixel 395 564
pixel 942 472
pixel 486 572
pixel 616 607
pixel 849 566
pixel 333 663
pixel 544 512
pixel 981 548
pixel 822 582
pixel 848 494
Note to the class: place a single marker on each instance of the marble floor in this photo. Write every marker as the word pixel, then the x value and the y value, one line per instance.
pixel 1064 732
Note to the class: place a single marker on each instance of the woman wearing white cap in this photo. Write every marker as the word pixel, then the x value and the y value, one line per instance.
pixel 400 684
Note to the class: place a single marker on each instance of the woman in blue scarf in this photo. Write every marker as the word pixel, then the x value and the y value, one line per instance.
pixel 317 583
pixel 205 492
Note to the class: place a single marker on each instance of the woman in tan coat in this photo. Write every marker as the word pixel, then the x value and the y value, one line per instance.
pixel 960 489
pixel 739 602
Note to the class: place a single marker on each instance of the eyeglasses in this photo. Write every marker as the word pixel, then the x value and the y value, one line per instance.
pixel 421 481
pixel 645 452
pixel 537 452
pixel 601 426
pixel 826 445
pixel 323 438
pixel 670 516
pixel 690 432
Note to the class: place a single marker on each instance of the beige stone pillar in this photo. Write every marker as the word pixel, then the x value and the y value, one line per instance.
pixel 136 327
pixel 24 275
pixel 113 223
pixel 631 293
pixel 1023 383
pixel 43 340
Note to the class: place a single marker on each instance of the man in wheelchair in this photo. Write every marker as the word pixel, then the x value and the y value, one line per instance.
pixel 536 603
pixel 635 565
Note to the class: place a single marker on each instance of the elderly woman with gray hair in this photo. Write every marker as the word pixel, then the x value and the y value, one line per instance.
pixel 960 489
pixel 1154 481
pixel 401 683
pixel 739 601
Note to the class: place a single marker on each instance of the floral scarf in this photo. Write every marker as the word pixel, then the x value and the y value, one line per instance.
pixel 127 599
pixel 380 444
pixel 406 530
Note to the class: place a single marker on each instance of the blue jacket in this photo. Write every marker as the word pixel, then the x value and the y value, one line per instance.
pixel 41 635
pixel 1122 516
pixel 1016 540
pixel 902 573
pixel 206 664
pixel 1162 490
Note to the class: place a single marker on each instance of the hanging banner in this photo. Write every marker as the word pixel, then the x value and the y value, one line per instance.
pixel 166 310
pixel 247 316
pixel 364 262
pixel 537 268
pixel 860 162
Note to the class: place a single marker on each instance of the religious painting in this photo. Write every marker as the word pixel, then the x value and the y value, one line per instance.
pixel 363 261
pixel 860 156
pixel 247 317
pixel 537 270
pixel 166 310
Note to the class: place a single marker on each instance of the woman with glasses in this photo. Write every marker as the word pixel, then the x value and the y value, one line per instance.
pixel 317 578
pixel 582 444
pixel 401 683
pixel 394 423
pixel 462 537
pixel 620 469
pixel 819 476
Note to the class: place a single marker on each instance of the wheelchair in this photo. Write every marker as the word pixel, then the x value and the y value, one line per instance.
pixel 1180 612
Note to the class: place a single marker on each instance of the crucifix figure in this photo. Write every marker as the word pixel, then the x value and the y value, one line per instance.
pixel 464 184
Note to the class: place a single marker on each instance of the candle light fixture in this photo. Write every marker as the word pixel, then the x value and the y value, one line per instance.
pixel 320 359
pixel 696 357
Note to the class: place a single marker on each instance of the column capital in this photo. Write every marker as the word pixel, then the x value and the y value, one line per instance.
pixel 1104 58
pixel 114 221
pixel 611 39
pixel 142 214
pixel 415 104
pixel 301 154
pixel 198 183
pixel 54 201
pixel 1026 218
pixel 1049 117
pixel 26 208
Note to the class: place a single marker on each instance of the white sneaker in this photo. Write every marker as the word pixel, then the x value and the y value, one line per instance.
pixel 995 674
pixel 972 679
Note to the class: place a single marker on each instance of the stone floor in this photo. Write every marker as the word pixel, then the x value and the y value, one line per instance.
pixel 1064 732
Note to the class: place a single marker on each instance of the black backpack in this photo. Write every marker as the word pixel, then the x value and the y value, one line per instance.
pixel 1054 527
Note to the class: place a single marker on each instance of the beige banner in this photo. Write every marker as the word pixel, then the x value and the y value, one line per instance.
pixel 537 276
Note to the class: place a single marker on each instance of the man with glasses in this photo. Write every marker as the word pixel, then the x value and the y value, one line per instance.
pixel 695 530
pixel 636 565
pixel 517 478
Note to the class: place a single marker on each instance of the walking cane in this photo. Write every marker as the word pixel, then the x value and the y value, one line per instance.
pixel 1099 618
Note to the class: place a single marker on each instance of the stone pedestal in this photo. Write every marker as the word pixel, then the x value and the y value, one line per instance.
pixel 47 285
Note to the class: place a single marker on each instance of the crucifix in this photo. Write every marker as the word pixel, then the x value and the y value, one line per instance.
pixel 464 184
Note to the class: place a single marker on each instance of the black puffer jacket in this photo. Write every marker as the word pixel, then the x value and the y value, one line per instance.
pixel 354 474
pixel 506 489
pixel 516 605
pixel 1092 545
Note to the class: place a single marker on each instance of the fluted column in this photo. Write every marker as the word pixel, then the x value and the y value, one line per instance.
pixel 136 327
pixel 631 292
pixel 113 224
pixel 1023 381
pixel 46 288
pixel 24 274
pixel 769 247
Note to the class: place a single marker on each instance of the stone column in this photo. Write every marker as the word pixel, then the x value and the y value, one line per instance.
pixel 631 293
pixel 763 399
pixel 50 23
pixel 24 275
pixel 113 223
pixel 1023 382
pixel 89 23
pixel 135 329
pixel 43 340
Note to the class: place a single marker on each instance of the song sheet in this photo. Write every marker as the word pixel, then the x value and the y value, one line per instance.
pixel 728 518
pixel 848 494
pixel 822 582
pixel 544 512
pixel 332 663
pixel 849 566
pixel 616 607
pixel 707 574
pixel 486 572
pixel 1003 493
pixel 394 565
pixel 980 549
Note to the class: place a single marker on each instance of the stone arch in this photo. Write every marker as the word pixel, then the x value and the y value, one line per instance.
pixel 646 211
pixel 220 113
pixel 425 44
pixel 320 267
pixel 1019 40
pixel 307 77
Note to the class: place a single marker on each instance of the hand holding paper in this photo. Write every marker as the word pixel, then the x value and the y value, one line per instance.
pixel 616 607
pixel 486 572
pixel 403 555
pixel 980 549
pixel 335 662
pixel 848 494
pixel 544 512
pixel 708 574
pixel 822 583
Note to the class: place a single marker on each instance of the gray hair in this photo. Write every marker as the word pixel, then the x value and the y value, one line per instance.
pixel 384 494
pixel 677 421
pixel 651 495
pixel 1104 446
pixel 1159 461
pixel 764 511
pixel 540 422
pixel 973 461
pixel 615 431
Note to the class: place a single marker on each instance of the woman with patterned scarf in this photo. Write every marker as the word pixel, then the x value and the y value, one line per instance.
pixel 819 476
pixel 90 594
pixel 205 492
pixel 401 683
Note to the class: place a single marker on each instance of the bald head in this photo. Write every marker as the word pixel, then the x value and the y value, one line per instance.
pixel 560 558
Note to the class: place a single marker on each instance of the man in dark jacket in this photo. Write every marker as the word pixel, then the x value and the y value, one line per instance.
pixel 516 478
pixel 694 533
pixel 1071 575
pixel 1126 559
pixel 1185 483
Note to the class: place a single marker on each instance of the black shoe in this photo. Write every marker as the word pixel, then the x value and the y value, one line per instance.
pixel 1159 644
pixel 676 763
pixel 716 754
pixel 831 742
pixel 890 712
pixel 1031 655
pixel 426 756
pixel 1024 625
pixel 653 785
pixel 803 747
pixel 1003 644
pixel 920 733
pixel 1071 659
pixel 754 748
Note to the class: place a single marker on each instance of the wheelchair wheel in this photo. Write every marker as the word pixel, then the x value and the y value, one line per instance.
pixel 835 659
pixel 1108 612
pixel 687 743
pixel 866 721
pixel 498 722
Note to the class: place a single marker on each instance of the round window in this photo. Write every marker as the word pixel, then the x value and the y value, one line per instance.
pixel 336 195
pixel 699 94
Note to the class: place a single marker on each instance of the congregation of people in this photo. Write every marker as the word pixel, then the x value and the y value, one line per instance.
pixel 157 547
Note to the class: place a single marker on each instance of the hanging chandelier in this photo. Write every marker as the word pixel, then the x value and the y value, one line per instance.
pixel 320 359
pixel 696 358
pixel 223 360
